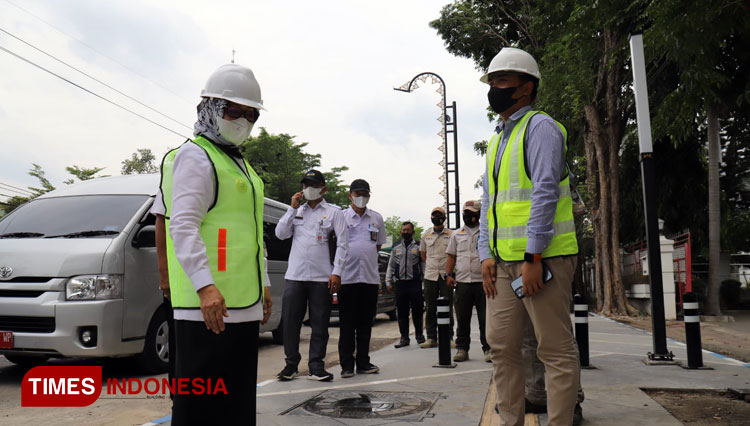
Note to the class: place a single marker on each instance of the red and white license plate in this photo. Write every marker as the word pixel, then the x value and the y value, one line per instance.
pixel 6 340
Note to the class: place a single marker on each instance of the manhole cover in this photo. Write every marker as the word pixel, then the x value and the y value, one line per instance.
pixel 355 404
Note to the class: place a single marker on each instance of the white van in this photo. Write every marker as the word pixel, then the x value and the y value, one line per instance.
pixel 79 277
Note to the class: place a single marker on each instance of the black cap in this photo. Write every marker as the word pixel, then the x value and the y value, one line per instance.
pixel 313 176
pixel 359 185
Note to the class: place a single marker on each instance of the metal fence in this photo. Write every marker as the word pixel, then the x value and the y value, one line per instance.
pixel 683 265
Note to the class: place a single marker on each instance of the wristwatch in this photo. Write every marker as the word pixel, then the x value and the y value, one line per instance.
pixel 532 257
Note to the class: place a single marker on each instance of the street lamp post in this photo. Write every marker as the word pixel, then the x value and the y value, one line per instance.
pixel 659 332
pixel 449 125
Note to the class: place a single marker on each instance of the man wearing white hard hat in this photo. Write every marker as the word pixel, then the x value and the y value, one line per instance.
pixel 527 231
pixel 213 203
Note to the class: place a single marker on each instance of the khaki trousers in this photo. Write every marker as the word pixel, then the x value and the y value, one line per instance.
pixel 536 390
pixel 549 313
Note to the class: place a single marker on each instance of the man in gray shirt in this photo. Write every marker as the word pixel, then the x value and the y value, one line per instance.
pixel 405 273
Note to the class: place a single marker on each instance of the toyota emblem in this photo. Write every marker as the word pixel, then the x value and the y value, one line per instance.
pixel 5 271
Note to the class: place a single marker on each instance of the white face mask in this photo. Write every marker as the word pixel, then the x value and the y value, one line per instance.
pixel 361 201
pixel 311 193
pixel 235 131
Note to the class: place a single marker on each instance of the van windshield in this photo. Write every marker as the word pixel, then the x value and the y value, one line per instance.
pixel 90 216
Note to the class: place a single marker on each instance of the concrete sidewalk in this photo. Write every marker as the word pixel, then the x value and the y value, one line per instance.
pixel 613 387
pixel 409 391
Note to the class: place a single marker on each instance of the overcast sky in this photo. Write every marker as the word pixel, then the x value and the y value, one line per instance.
pixel 326 69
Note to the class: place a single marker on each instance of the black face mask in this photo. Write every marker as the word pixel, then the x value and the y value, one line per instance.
pixel 438 221
pixel 501 99
pixel 470 219
pixel 406 236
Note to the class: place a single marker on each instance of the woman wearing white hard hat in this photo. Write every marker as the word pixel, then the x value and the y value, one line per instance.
pixel 213 202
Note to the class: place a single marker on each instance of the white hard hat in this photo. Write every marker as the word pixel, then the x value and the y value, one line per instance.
pixel 512 59
pixel 234 83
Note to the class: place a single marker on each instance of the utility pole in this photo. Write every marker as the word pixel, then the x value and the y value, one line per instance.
pixel 658 324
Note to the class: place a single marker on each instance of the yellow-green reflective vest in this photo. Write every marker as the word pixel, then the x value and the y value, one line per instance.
pixel 232 231
pixel 510 200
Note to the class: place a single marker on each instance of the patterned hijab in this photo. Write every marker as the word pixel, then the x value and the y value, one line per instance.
pixel 207 125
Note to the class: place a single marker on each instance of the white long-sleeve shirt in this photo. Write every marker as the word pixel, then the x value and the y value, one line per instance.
pixel 193 184
pixel 366 232
pixel 309 259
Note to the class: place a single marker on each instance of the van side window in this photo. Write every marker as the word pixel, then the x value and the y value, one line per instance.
pixel 277 249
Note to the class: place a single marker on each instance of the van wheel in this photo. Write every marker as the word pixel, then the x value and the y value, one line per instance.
pixel 278 334
pixel 155 356
pixel 392 315
pixel 27 360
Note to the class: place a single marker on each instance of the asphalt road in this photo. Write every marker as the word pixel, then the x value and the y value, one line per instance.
pixel 138 409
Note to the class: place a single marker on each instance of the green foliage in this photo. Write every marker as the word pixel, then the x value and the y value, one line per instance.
pixel 695 65
pixel 142 161
pixel 12 203
pixel 393 228
pixel 691 62
pixel 735 236
pixel 681 166
pixel 281 162
pixel 82 173
pixel 338 190
pixel 731 291
pixel 45 185
pixel 38 173
pixel 736 158
pixel 699 288
pixel 707 51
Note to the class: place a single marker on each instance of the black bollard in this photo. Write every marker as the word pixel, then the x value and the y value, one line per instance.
pixel 692 330
pixel 581 310
pixel 444 333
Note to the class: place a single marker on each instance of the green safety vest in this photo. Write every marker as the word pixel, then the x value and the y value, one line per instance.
pixel 510 200
pixel 232 231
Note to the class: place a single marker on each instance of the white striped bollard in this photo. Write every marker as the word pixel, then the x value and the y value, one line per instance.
pixel 444 333
pixel 581 310
pixel 692 330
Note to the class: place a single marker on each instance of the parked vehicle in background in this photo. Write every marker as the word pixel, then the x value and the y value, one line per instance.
pixel 79 278
pixel 386 300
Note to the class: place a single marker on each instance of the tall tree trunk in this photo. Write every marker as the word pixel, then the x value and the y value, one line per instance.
pixel 593 190
pixel 614 131
pixel 714 220
pixel 604 252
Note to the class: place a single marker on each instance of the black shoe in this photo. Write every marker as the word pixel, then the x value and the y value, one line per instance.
pixel 401 343
pixel 320 375
pixel 534 408
pixel 288 373
pixel 345 374
pixel 577 414
pixel 368 369
pixel 420 338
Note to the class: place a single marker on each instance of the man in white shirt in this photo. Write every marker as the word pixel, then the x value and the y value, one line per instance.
pixel 358 297
pixel 463 257
pixel 312 274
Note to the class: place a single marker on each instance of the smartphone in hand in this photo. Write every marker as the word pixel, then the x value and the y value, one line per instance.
pixel 517 284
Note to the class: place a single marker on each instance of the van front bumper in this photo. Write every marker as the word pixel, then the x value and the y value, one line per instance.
pixel 50 325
